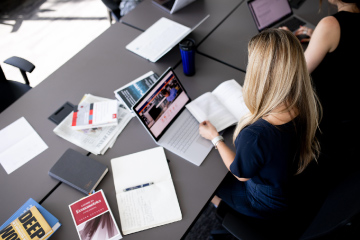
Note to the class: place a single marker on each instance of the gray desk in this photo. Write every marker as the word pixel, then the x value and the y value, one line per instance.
pixel 228 43
pixel 194 185
pixel 147 13
pixel 102 67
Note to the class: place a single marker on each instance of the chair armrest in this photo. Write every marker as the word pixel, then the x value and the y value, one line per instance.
pixel 20 63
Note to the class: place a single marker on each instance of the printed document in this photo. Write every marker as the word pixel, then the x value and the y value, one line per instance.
pixel 19 143
pixel 94 140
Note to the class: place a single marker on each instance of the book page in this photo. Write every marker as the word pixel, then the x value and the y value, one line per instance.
pixel 148 207
pixel 229 93
pixel 208 107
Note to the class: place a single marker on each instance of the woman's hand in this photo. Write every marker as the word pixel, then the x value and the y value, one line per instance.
pixel 207 130
pixel 304 31
pixel 284 28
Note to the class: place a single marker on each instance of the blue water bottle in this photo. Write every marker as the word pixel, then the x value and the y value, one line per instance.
pixel 187 50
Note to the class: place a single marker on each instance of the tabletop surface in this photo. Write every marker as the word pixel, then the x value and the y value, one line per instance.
pixel 134 138
pixel 228 42
pixel 105 65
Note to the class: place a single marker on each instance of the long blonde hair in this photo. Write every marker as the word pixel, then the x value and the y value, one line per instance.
pixel 277 74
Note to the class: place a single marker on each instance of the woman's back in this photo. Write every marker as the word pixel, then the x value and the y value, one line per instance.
pixel 336 76
pixel 335 81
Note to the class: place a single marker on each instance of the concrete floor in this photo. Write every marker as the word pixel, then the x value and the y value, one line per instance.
pixel 48 33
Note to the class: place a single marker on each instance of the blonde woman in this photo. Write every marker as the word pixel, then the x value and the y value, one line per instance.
pixel 277 138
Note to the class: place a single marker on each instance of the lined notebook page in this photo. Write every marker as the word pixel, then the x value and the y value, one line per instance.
pixel 150 206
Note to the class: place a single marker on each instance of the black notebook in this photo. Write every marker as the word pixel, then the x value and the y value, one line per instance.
pixel 78 171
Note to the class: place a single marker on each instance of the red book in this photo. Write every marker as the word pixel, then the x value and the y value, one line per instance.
pixel 93 218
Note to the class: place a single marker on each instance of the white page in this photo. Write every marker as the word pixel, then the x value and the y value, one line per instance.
pixel 158 39
pixel 19 143
pixel 208 107
pixel 229 93
pixel 149 206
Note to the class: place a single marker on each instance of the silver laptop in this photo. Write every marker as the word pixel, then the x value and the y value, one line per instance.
pixel 162 112
pixel 172 6
pixel 275 13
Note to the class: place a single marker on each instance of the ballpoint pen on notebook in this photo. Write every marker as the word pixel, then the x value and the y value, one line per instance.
pixel 138 186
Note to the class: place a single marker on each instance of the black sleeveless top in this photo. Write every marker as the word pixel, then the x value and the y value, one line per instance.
pixel 336 81
pixel 337 76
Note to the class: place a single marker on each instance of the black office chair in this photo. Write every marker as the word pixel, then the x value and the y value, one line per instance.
pixel 338 218
pixel 113 9
pixel 10 90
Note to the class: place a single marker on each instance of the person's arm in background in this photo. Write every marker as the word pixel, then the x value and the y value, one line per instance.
pixel 208 131
pixel 324 39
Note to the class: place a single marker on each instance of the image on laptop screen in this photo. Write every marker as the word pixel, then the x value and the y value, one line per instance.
pixel 267 12
pixel 161 104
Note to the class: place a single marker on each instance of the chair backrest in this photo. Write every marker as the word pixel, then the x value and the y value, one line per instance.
pixel 2 75
pixel 10 91
pixel 340 207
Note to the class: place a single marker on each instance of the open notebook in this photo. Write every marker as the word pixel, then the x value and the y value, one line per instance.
pixel 145 191
pixel 160 38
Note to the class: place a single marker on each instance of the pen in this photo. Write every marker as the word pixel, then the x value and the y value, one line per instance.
pixel 138 186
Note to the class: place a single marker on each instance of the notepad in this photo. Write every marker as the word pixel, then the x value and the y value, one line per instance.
pixel 150 206
pixel 160 38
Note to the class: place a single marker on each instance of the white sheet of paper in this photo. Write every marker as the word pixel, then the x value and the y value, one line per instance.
pixel 19 143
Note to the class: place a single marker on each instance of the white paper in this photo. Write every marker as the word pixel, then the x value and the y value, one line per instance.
pixel 230 95
pixel 95 141
pixel 158 39
pixel 208 107
pixel 148 206
pixel 223 107
pixel 19 143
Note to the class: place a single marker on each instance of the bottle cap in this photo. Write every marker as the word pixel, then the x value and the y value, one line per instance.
pixel 187 44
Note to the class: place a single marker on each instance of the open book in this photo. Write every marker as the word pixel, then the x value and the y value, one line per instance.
pixel 144 190
pixel 223 107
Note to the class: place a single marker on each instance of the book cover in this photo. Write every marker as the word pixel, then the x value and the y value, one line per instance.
pixel 97 114
pixel 93 218
pixel 51 219
pixel 79 171
pixel 31 225
pixel 133 91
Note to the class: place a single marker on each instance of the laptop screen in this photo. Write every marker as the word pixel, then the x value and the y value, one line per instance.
pixel 268 12
pixel 161 104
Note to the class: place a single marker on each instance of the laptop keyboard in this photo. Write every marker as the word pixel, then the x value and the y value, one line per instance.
pixel 293 23
pixel 185 135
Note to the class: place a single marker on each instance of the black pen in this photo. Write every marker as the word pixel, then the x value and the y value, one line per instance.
pixel 138 186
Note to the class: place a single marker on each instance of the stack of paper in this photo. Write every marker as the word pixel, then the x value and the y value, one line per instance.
pixel 94 140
